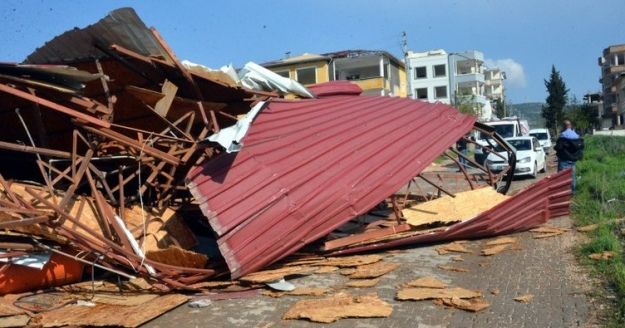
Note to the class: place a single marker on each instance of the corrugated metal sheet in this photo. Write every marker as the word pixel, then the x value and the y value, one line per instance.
pixel 335 88
pixel 546 199
pixel 122 27
pixel 309 166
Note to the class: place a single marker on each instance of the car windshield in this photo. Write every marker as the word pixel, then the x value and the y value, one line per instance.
pixel 539 135
pixel 522 144
pixel 505 130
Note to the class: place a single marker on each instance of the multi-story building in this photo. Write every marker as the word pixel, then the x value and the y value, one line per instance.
pixel 429 75
pixel 612 65
pixel 493 84
pixel 452 78
pixel 376 72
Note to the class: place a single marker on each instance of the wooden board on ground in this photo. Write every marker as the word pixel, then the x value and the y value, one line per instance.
pixel 110 315
pixel 174 255
pixel 373 270
pixel 447 209
pixel 419 294
pixel 362 283
pixel 341 305
pixel 471 305
pixel 277 274
pixel 454 247
pixel 502 241
pixel 300 291
pixel 426 282
pixel 494 250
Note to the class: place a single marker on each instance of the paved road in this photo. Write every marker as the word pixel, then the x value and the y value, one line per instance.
pixel 545 268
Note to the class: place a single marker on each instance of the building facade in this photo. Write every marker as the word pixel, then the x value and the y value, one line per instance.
pixel 454 78
pixel 376 72
pixel 612 64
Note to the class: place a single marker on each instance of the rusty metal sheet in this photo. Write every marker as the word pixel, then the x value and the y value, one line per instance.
pixel 121 26
pixel 308 166
pixel 533 206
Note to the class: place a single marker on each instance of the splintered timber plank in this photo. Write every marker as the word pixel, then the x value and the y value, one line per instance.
pixel 339 306
pixel 365 236
pixel 102 315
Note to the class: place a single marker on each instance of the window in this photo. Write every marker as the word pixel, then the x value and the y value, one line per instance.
pixel 440 92
pixel 440 70
pixel 420 72
pixel 283 74
pixel 307 75
pixel 422 93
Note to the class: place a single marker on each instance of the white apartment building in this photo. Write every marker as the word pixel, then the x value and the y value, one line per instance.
pixel 429 76
pixel 451 78
pixel 493 84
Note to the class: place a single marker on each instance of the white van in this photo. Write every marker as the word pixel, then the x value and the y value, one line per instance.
pixel 543 137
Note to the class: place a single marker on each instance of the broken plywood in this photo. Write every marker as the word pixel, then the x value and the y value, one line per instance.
pixel 494 250
pixel 350 261
pixel 373 270
pixel 606 255
pixel 524 298
pixel 419 294
pixel 110 315
pixel 471 305
pixel 426 282
pixel 362 283
pixel 327 269
pixel 454 247
pixel 174 255
pixel 502 241
pixel 588 228
pixel 447 209
pixel 452 268
pixel 341 305
pixel 266 276
pixel 301 291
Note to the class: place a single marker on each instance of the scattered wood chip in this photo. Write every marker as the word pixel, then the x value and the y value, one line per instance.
pixel 494 250
pixel 341 305
pixel 301 291
pixel 362 283
pixel 457 258
pixel 484 264
pixel 122 299
pixel 495 291
pixel 277 274
pixel 214 284
pixel 588 228
pixel 350 261
pixel 419 294
pixel 452 268
pixel 516 247
pixel 425 282
pixel 502 241
pixel 547 231
pixel 606 255
pixel 373 270
pixel 471 305
pixel 452 247
pixel 18 320
pixel 524 298
pixel 327 269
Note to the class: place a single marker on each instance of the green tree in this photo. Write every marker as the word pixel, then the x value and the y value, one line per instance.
pixel 467 104
pixel 553 110
pixel 583 116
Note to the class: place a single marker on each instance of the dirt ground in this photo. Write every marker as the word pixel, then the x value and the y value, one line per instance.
pixel 545 268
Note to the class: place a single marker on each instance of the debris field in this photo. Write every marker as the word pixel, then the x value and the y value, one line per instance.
pixel 133 182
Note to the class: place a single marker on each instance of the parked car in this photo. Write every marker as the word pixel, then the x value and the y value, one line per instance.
pixel 508 127
pixel 530 157
pixel 543 137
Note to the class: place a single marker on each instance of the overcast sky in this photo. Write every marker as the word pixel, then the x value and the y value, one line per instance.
pixel 523 37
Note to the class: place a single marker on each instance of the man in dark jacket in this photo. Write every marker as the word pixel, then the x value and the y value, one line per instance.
pixel 569 149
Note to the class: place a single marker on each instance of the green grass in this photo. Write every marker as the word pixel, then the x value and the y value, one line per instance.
pixel 600 199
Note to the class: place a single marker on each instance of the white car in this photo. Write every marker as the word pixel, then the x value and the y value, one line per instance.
pixel 543 137
pixel 530 157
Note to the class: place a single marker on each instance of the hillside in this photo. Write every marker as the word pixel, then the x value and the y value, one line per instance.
pixel 530 112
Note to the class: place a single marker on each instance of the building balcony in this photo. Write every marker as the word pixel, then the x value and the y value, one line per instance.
pixel 376 82
pixel 471 77
pixel 616 69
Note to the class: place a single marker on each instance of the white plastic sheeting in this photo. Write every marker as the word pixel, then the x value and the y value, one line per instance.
pixel 256 77
pixel 230 137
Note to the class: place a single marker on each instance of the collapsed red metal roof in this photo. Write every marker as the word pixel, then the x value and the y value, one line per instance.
pixel 308 166
pixel 532 206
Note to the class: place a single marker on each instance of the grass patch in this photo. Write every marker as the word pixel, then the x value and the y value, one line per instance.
pixel 600 199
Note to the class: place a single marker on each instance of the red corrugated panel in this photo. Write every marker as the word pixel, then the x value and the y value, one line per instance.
pixel 308 166
pixel 335 88
pixel 533 206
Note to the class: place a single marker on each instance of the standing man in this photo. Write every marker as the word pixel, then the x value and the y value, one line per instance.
pixel 569 149
pixel 463 148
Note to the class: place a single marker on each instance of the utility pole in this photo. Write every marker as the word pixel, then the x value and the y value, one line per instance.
pixel 404 48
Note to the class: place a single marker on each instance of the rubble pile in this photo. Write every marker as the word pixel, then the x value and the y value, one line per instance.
pixel 120 159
